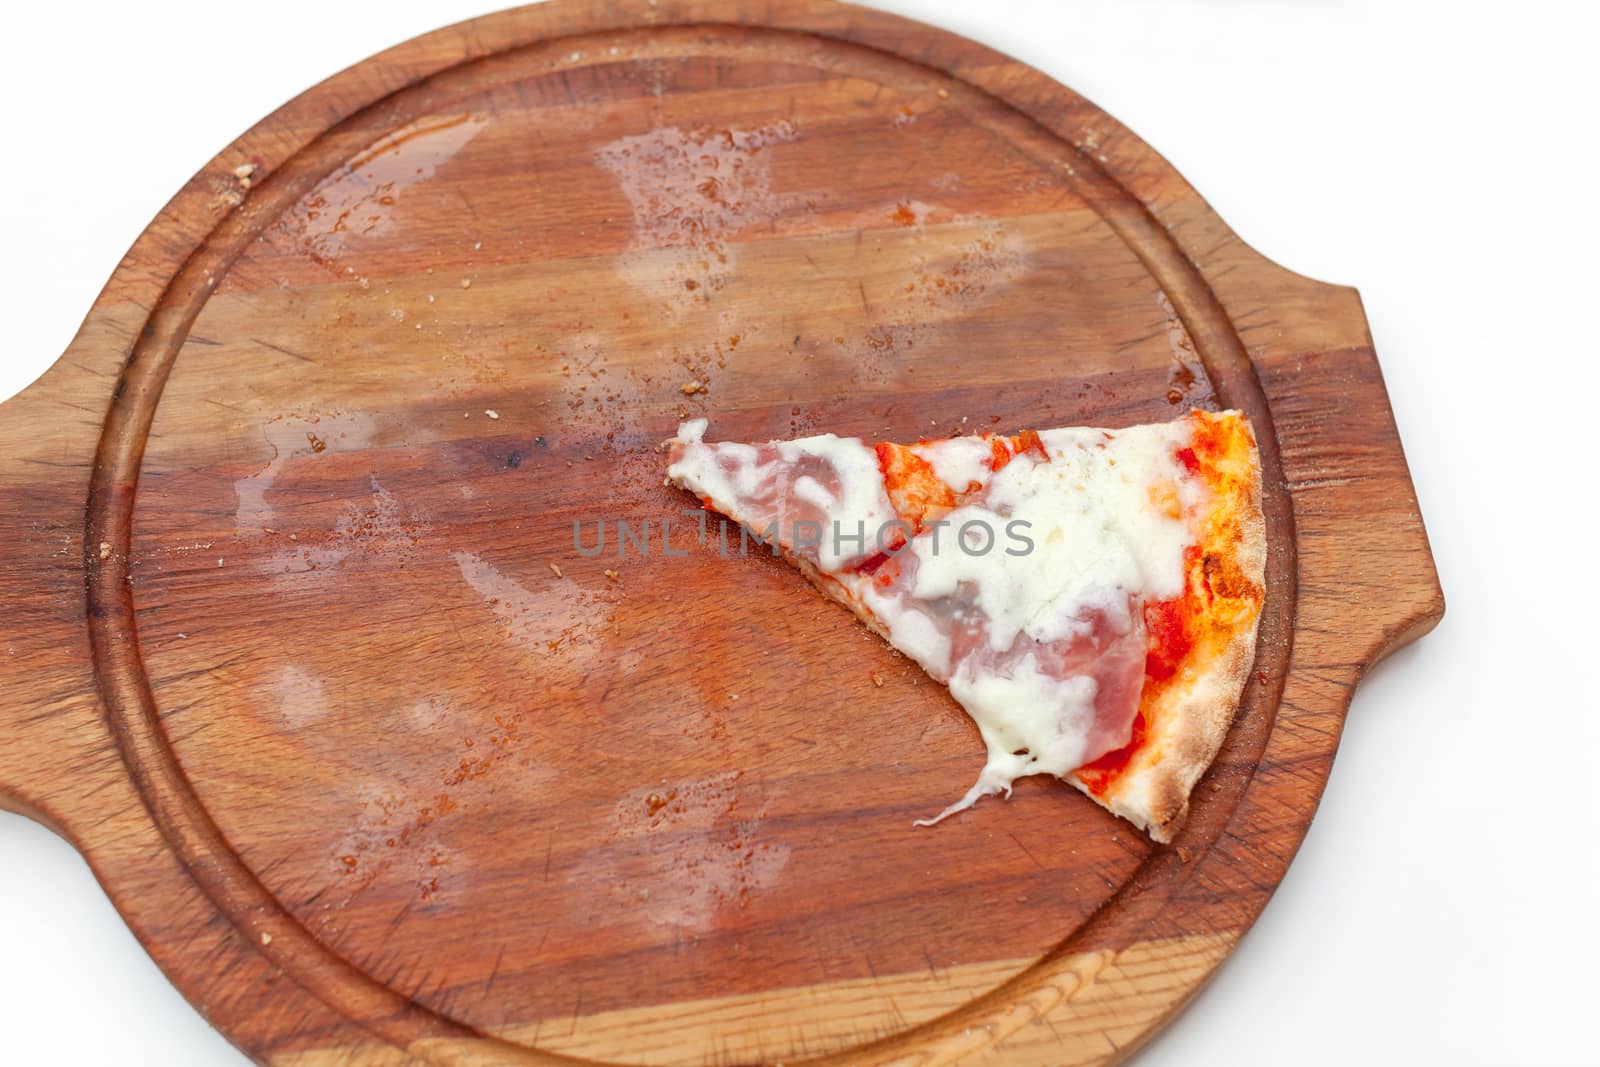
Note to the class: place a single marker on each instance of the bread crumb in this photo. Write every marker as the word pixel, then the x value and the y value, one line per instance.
pixel 877 679
pixel 944 94
pixel 266 938
pixel 557 571
pixel 493 414
pixel 245 174
pixel 466 283
pixel 692 387
pixel 105 549
pixel 614 576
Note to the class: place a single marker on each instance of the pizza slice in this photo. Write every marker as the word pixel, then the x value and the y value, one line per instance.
pixel 1089 596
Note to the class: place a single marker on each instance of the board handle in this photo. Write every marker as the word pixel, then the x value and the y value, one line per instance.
pixel 1365 570
pixel 55 746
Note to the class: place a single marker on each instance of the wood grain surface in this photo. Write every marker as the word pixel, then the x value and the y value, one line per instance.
pixel 297 647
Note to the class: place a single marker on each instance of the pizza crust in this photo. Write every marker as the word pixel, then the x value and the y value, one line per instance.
pixel 1155 797
pixel 1153 792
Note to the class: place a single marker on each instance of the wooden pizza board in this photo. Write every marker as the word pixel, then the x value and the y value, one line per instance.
pixel 295 645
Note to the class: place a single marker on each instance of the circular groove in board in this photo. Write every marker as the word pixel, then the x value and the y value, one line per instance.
pixel 185 821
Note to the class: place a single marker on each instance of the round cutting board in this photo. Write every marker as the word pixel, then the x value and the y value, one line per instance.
pixel 305 642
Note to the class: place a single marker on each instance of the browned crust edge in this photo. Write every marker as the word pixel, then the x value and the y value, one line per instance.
pixel 1155 796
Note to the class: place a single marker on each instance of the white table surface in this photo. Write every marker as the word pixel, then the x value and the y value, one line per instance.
pixel 1438 156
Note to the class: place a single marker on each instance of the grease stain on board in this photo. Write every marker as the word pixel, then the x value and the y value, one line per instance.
pixel 1187 370
pixel 690 850
pixel 692 191
pixel 301 697
pixel 932 265
pixel 377 530
pixel 357 201
pixel 564 621
pixel 413 829
pixel 291 438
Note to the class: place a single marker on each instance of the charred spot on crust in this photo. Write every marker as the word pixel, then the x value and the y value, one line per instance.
pixel 1225 578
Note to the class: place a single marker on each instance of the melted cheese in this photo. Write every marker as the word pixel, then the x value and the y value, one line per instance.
pixel 862 505
pixel 1020 717
pixel 960 462
pixel 847 515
